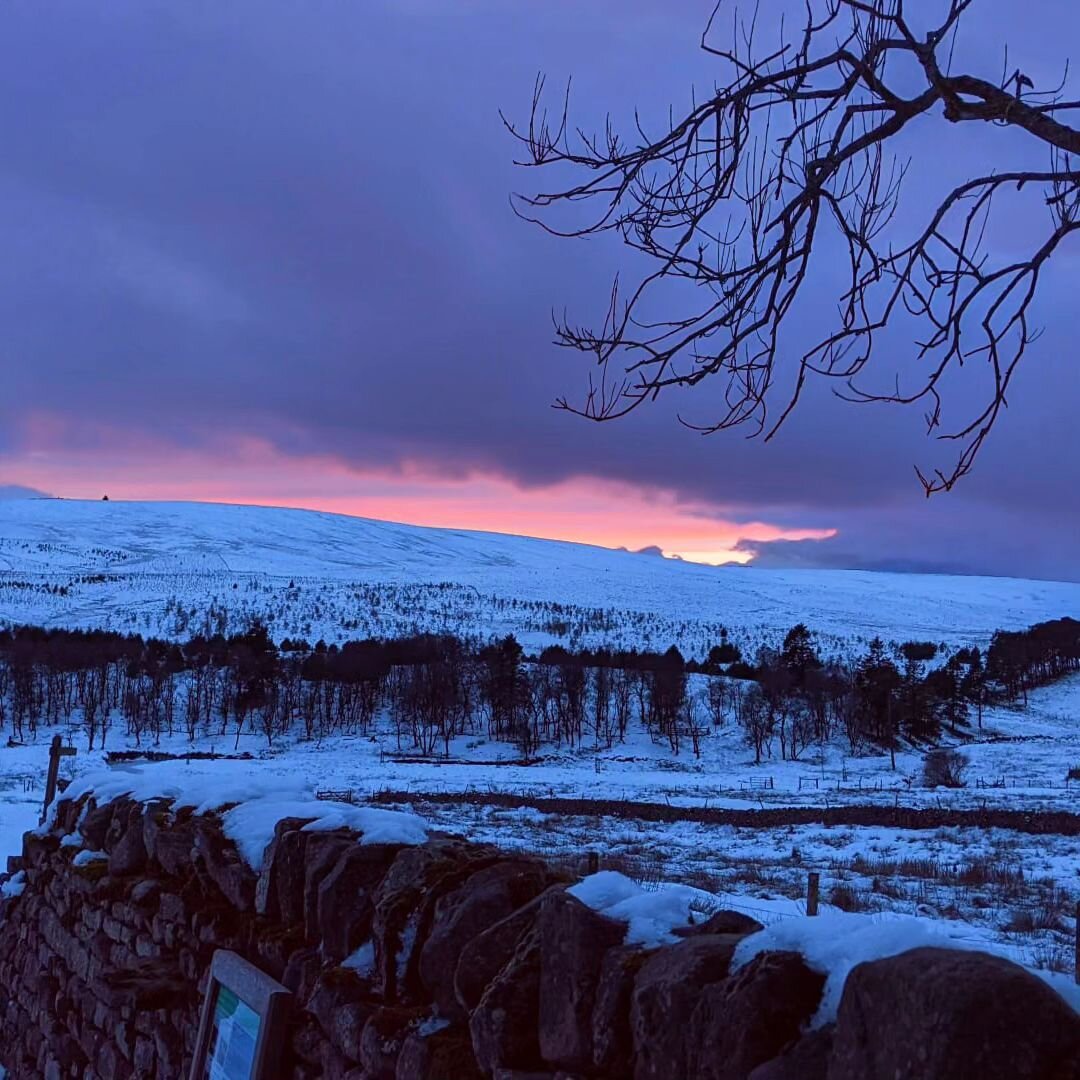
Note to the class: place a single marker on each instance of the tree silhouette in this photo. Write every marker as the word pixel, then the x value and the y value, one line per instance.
pixel 759 196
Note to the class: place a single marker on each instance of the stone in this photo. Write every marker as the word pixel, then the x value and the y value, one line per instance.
pixel 487 954
pixel 127 850
pixel 335 988
pixel 170 842
pixel 333 1065
pixel 444 1054
pixel 323 851
pixel 95 823
pixel 665 993
pixel 345 898
pixel 935 1012
pixel 347 1024
pixel 279 889
pixel 752 1016
pixel 483 899
pixel 223 864
pixel 172 909
pixel 721 922
pixel 302 972
pixel 503 1026
pixel 36 850
pixel 126 814
pixel 382 1040
pixel 306 1041
pixel 573 941
pixel 146 893
pixel 405 902
pixel 274 945
pixel 144 1058
pixel 67 815
pixel 808 1059
pixel 612 1037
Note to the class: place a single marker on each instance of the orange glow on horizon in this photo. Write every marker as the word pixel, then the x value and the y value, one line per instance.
pixel 584 510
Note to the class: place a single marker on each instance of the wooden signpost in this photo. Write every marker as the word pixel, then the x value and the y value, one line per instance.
pixel 56 752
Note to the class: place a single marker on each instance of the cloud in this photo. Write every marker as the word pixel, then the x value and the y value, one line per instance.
pixel 294 232
pixel 947 535
pixel 832 555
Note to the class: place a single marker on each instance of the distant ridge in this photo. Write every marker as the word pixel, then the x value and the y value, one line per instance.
pixel 17 491
pixel 172 568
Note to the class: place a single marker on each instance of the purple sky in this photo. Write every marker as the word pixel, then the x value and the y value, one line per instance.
pixel 264 252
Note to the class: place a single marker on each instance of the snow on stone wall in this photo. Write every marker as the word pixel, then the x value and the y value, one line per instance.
pixel 423 957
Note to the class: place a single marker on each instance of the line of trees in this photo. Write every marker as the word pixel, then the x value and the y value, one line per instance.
pixel 434 688
pixel 1023 660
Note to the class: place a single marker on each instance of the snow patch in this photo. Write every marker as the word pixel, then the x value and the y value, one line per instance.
pixel 251 824
pixel 428 1026
pixel 651 915
pixel 14 886
pixel 257 803
pixel 85 858
pixel 835 941
pixel 362 961
pixel 408 943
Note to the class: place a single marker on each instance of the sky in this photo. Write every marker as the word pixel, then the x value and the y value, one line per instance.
pixel 264 253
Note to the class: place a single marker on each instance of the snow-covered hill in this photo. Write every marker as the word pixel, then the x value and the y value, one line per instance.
pixel 178 568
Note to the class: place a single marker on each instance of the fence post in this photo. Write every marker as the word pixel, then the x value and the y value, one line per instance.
pixel 56 752
pixel 812 892
pixel 594 862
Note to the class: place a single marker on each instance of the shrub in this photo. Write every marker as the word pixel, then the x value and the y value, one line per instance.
pixel 846 898
pixel 945 768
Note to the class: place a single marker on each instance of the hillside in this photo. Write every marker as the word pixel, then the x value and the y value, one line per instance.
pixel 179 568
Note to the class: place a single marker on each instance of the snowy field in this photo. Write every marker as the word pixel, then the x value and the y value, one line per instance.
pixel 175 569
pixel 180 569
pixel 1013 888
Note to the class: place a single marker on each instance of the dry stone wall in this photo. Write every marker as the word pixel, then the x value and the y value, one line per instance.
pixel 452 961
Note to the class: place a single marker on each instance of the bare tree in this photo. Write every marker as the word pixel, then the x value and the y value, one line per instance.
pixel 758 722
pixel 754 196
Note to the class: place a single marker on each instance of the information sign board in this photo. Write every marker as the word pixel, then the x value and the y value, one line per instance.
pixel 242 1024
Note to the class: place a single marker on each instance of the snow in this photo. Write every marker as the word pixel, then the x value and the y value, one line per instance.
pixel 14 886
pixel 172 569
pixel 362 961
pixel 86 857
pixel 168 568
pixel 251 824
pixel 835 941
pixel 651 915
pixel 261 801
pixel 832 942
pixel 428 1026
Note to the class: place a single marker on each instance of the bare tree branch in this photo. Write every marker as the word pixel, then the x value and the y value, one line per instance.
pixel 742 195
